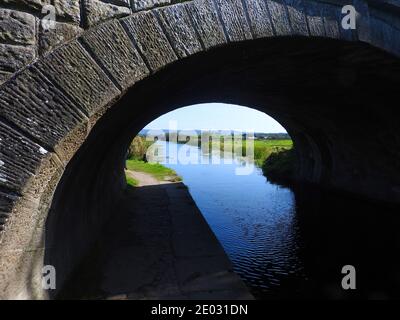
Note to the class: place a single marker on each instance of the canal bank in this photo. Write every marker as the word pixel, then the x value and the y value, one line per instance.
pixel 159 246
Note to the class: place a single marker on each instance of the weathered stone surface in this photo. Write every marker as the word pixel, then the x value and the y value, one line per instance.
pixel 331 21
pixel 147 4
pixel 363 20
pixel 234 19
pixel 30 104
pixel 25 228
pixel 13 58
pixel 144 28
pixel 68 10
pixel 126 3
pixel 7 201
pixel 36 106
pixel 113 48
pixel 97 11
pixel 315 19
pixel 297 17
pixel 52 38
pixel 4 76
pixel 260 20
pixel 75 71
pixel 35 5
pixel 176 22
pixel 14 268
pixel 384 36
pixel 19 158
pixel 206 22
pixel 17 27
pixel 280 19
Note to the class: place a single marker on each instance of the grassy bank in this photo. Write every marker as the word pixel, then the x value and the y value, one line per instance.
pixel 156 170
pixel 279 167
pixel 131 181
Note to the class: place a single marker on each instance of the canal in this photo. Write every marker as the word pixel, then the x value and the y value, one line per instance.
pixel 292 242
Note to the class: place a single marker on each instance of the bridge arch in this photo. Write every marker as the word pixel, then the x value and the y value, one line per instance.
pixel 289 58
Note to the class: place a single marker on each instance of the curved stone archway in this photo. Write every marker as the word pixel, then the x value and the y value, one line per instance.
pixel 289 58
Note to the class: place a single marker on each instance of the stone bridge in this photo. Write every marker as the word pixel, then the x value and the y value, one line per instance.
pixel 73 95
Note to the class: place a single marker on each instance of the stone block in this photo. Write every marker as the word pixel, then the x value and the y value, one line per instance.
pixel 147 33
pixel 177 24
pixel 13 58
pixel 72 69
pixel 315 19
pixel 260 20
pixel 52 38
pixel 36 106
pixel 138 5
pixel 17 27
pixel 280 19
pixel 234 19
pixel 205 19
pixel 97 11
pixel 113 48
pixel 297 17
pixel 332 21
pixel 19 159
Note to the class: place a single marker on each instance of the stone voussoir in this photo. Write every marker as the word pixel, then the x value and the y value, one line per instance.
pixel 147 33
pixel 297 17
pixel 35 105
pixel 234 19
pixel 205 20
pixel 315 19
pixel 14 57
pixel 260 19
pixel 19 159
pixel 279 16
pixel 73 69
pixel 331 15
pixel 115 51
pixel 176 22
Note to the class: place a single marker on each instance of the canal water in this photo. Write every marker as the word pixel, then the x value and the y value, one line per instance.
pixel 292 242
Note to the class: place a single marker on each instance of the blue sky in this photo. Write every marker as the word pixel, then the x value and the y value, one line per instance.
pixel 217 116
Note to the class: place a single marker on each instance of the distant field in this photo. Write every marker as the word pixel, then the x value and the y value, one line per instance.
pixel 262 148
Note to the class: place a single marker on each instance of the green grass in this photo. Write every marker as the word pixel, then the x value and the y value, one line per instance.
pixel 131 182
pixel 280 166
pixel 262 148
pixel 156 170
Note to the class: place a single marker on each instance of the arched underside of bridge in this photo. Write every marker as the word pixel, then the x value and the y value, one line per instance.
pixel 67 119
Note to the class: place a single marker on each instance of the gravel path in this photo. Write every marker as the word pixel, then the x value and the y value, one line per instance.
pixel 143 179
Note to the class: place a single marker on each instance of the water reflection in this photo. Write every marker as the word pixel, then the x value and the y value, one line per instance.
pixel 293 243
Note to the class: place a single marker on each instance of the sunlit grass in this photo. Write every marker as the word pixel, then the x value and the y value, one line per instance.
pixel 131 181
pixel 263 149
pixel 156 170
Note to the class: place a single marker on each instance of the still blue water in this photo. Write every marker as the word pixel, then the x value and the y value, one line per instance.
pixel 293 243
pixel 254 220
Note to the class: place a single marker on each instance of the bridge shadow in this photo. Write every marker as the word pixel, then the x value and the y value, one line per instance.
pixel 156 246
